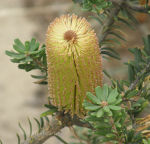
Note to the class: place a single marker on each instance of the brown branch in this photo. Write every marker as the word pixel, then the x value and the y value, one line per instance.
pixel 57 123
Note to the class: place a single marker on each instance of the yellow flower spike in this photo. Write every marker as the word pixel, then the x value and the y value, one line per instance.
pixel 74 62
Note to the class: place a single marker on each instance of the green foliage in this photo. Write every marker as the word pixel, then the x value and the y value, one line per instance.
pixel 40 124
pixel 111 110
pixel 146 141
pixel 51 110
pixel 105 113
pixel 30 56
pixel 94 5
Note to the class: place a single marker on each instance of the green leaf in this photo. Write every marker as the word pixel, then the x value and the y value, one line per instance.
pixel 99 92
pixel 19 44
pixel 105 91
pixel 126 22
pixel 117 35
pixel 18 138
pixel 93 98
pixel 62 141
pixel 50 106
pixel 92 108
pixel 30 124
pixel 114 107
pixel 33 45
pixel 100 113
pixel 106 73
pixel 112 96
pixel 132 93
pixel 110 54
pixel 24 133
pixel 18 49
pixel 131 73
pixel 106 109
pixel 97 19
pixel 15 55
pixel 38 77
pixel 48 112
pixel 38 124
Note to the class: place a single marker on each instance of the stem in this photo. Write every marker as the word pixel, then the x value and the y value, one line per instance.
pixel 116 132
pixel 57 123
pixel 39 63
pixel 110 20
pixel 133 85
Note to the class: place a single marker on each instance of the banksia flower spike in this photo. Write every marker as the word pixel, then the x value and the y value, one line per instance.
pixel 74 62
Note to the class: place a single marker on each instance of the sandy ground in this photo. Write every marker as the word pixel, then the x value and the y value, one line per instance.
pixel 19 96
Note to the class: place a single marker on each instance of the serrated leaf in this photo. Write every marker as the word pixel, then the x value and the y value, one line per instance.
pixel 93 98
pixel 114 107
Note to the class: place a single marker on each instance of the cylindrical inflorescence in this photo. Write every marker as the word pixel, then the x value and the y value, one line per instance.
pixel 74 62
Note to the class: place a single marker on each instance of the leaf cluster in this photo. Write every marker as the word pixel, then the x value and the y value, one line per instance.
pixel 30 56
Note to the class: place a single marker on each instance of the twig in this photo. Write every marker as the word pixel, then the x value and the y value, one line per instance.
pixel 75 134
pixel 56 124
pixel 39 63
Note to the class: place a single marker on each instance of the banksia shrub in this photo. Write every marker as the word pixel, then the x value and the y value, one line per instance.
pixel 74 62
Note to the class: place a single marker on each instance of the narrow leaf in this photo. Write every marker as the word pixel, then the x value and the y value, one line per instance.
pixel 114 107
pixel 24 133
pixel 30 124
pixel 38 124
pixel 93 98
pixel 59 138
pixel 18 138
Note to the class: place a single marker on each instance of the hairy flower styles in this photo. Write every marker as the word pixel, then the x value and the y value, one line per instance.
pixel 74 62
